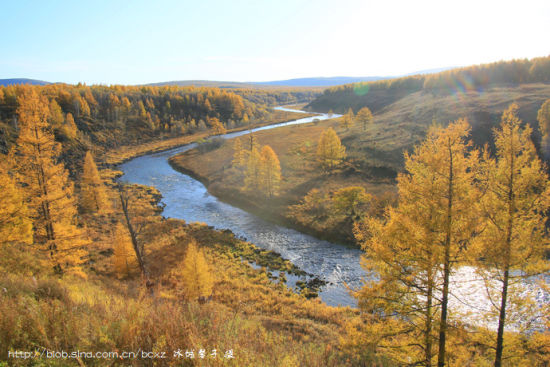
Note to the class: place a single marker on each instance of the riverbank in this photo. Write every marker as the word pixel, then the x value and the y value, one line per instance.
pixel 187 198
pixel 267 209
pixel 123 154
pixel 295 146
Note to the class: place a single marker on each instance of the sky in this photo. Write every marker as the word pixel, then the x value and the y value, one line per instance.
pixel 144 41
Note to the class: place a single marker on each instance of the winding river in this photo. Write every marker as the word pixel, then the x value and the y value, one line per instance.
pixel 188 199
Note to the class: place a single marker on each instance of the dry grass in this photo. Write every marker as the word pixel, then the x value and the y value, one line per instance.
pixel 124 153
pixel 375 154
pixel 264 323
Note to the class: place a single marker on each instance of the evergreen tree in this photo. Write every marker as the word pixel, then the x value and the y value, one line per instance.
pixel 270 171
pixel 47 185
pixel 93 195
pixel 330 151
pixel 517 196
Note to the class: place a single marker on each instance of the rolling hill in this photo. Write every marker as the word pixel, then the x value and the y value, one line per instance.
pixel 13 81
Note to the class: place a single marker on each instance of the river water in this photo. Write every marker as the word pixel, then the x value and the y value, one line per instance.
pixel 186 198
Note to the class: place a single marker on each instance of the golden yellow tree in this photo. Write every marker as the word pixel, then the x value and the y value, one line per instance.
pixel 92 190
pixel 56 115
pixel 124 256
pixel 47 185
pixel 517 196
pixel 543 117
pixel 196 277
pixel 70 127
pixel 239 154
pixel 347 120
pixel 417 245
pixel 364 117
pixel 330 151
pixel 270 171
pixel 351 202
pixel 16 235
pixel 15 223
pixel 216 126
pixel 253 170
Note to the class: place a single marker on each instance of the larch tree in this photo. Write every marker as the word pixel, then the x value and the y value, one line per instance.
pixel 93 193
pixel 416 247
pixel 216 126
pixel 348 120
pixel 47 186
pixel 15 222
pixel 126 107
pixel 270 171
pixel 253 170
pixel 239 154
pixel 17 255
pixel 330 151
pixel 351 202
pixel 543 117
pixel 197 281
pixel 70 127
pixel 364 117
pixel 517 197
pixel 446 152
pixel 137 215
pixel 56 115
pixel 124 257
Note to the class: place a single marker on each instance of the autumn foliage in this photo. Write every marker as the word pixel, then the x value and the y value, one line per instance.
pixel 48 189
pixel 330 151
pixel 456 207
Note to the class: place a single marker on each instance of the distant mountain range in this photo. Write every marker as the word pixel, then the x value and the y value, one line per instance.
pixel 5 82
pixel 298 82
pixel 321 81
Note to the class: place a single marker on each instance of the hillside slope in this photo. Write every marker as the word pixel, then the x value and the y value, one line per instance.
pixel 374 155
pixel 477 78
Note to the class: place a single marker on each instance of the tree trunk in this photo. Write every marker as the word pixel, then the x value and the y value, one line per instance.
pixel 428 331
pixel 446 267
pixel 507 250
pixel 444 302
pixel 501 320
pixel 144 273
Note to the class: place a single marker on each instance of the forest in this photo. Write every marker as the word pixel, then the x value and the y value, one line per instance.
pixel 378 94
pixel 89 263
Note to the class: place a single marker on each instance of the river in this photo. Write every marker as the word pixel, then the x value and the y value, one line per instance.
pixel 188 199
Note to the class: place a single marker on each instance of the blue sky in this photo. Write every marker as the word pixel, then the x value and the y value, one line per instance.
pixel 132 42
